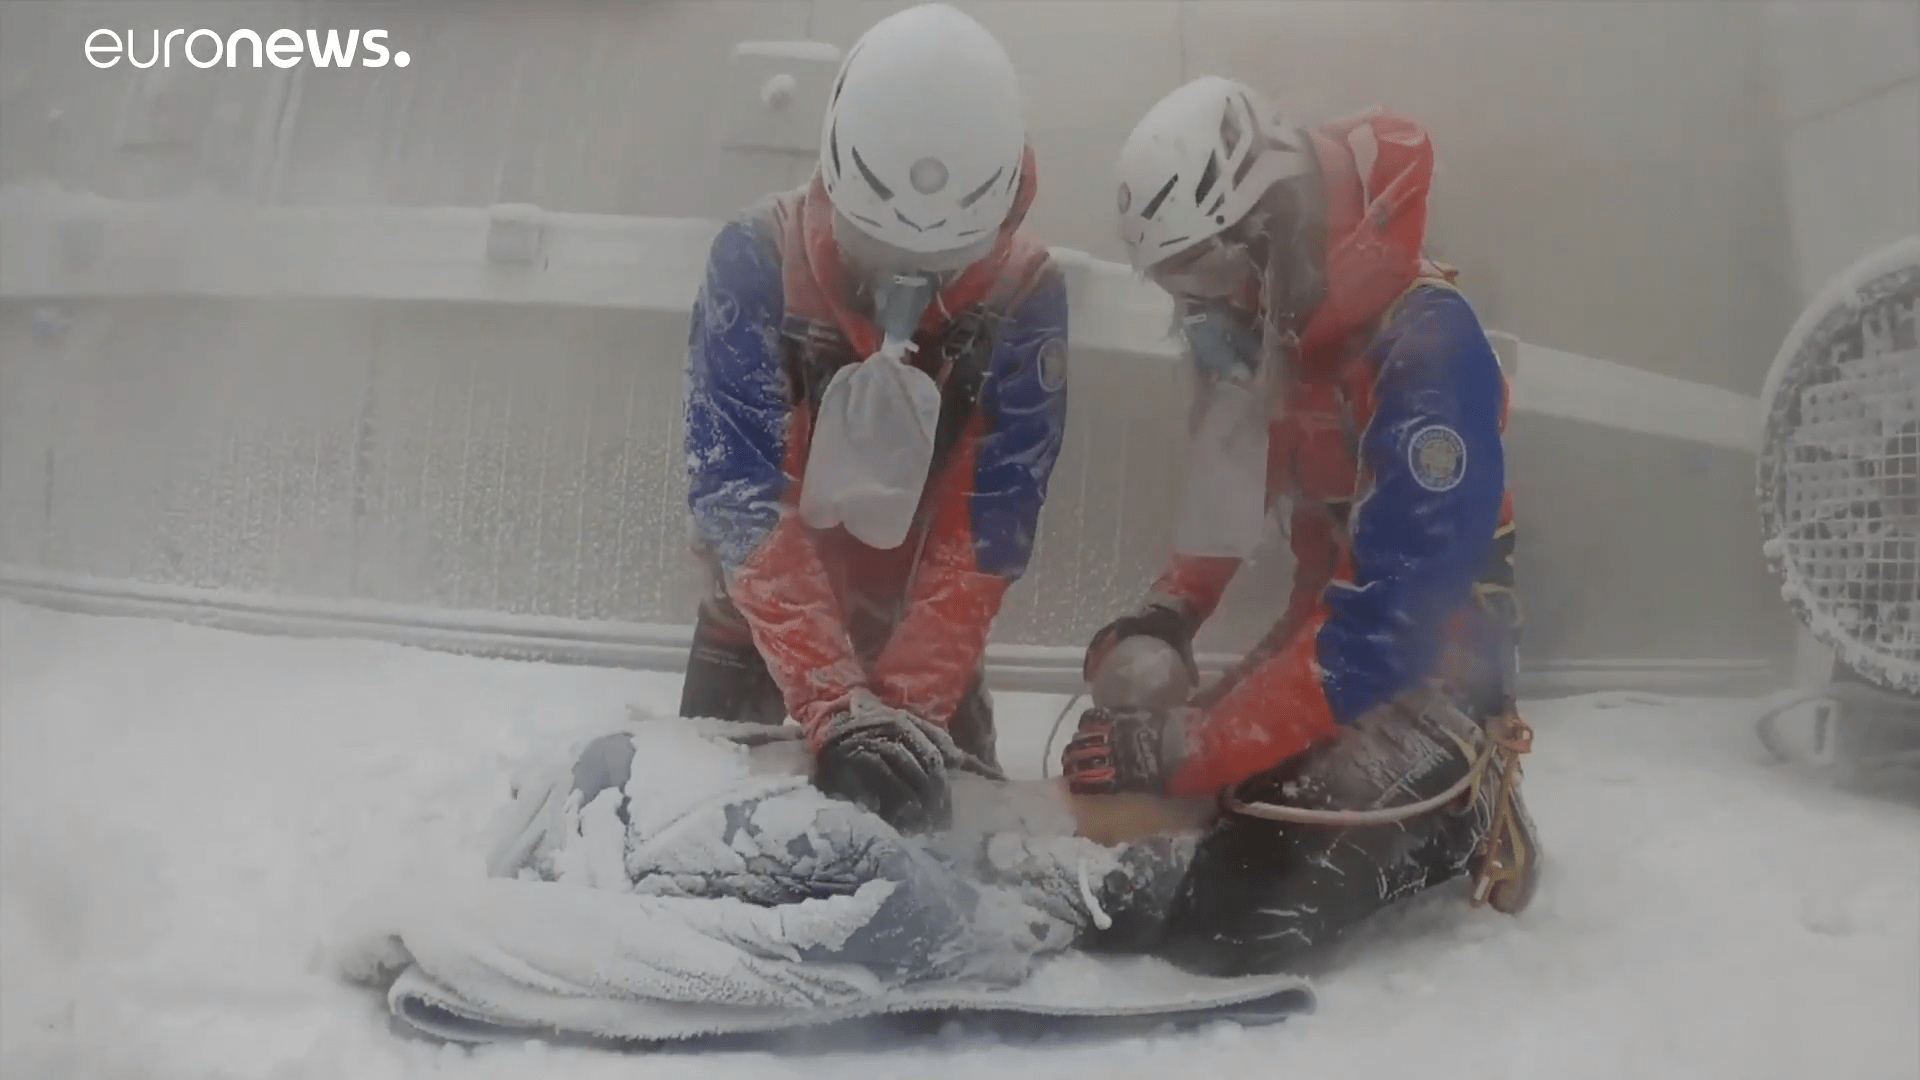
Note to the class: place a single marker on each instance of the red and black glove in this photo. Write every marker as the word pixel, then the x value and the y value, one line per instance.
pixel 1117 751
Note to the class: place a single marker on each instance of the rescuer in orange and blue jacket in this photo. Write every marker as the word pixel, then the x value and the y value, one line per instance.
pixel 875 399
pixel 1338 370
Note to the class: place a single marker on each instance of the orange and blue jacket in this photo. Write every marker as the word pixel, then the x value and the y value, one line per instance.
pixel 1391 453
pixel 770 325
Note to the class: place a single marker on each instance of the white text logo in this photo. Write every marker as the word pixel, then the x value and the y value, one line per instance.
pixel 281 48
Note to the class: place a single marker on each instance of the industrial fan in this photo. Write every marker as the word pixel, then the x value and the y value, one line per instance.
pixel 1839 491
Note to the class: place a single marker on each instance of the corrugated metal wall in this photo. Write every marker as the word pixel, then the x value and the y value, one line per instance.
pixel 516 459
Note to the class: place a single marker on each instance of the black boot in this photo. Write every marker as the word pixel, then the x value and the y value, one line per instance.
pixel 727 678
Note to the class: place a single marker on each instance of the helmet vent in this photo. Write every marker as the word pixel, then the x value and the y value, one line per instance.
pixel 880 189
pixel 1208 177
pixel 1153 204
pixel 1246 163
pixel 833 142
pixel 842 80
pixel 1230 131
pixel 980 192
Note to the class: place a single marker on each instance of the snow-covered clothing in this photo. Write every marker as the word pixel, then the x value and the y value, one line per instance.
pixel 664 864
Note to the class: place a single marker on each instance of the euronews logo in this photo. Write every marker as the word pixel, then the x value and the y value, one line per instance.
pixel 281 48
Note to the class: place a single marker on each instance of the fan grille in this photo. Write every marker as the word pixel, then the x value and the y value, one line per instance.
pixel 1840 481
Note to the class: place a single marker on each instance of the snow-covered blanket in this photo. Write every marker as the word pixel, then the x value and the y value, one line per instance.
pixel 665 865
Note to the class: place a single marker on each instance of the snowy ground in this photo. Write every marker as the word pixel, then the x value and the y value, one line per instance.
pixel 183 814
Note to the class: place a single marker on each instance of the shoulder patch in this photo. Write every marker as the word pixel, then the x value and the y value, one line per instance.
pixel 1053 365
pixel 721 310
pixel 1438 457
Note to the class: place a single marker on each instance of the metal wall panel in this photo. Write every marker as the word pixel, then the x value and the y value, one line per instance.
pixel 1610 180
pixel 526 460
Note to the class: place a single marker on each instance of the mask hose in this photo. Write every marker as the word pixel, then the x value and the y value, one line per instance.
pixel 899 302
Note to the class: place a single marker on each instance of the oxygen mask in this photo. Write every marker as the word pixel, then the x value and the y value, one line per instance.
pixel 1223 340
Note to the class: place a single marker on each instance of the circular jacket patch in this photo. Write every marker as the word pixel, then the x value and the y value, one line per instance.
pixel 1053 365
pixel 721 310
pixel 1438 456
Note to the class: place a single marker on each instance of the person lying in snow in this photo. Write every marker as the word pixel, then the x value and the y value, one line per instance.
pixel 1337 368
pixel 875 399
pixel 672 810
pixel 664 879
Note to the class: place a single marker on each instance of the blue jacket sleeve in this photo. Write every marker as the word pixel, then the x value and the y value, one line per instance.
pixel 736 397
pixel 1422 530
pixel 1024 400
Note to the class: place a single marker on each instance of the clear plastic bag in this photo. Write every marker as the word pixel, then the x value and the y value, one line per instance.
pixel 872 449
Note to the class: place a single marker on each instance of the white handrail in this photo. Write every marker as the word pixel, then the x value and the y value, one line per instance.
pixel 63 246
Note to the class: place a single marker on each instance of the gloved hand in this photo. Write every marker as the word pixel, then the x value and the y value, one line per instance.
pixel 887 761
pixel 1152 620
pixel 1118 751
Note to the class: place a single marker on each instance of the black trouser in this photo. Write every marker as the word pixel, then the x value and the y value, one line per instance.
pixel 728 679
pixel 1259 894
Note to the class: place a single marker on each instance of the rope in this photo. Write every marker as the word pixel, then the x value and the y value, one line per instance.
pixel 1300 815
pixel 1046 751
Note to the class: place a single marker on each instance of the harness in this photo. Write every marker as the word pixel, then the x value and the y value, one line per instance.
pixel 956 354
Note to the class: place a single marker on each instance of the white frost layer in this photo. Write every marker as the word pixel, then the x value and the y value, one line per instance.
pixel 1842 289
pixel 183 812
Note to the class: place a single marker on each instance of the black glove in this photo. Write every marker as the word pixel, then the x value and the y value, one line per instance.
pixel 1153 620
pixel 1117 751
pixel 889 762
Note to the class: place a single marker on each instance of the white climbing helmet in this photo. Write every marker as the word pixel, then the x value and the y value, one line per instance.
pixel 924 133
pixel 1197 163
